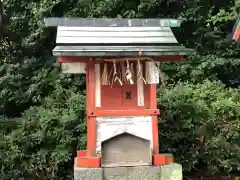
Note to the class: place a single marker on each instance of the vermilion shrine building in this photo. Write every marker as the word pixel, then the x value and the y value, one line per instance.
pixel 121 59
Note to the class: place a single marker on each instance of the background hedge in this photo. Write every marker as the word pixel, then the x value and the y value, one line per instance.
pixel 42 111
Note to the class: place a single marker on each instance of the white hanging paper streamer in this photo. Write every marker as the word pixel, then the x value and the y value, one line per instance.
pixel 140 87
pixel 73 68
pixel 115 75
pixel 152 72
pixel 129 74
pixel 97 85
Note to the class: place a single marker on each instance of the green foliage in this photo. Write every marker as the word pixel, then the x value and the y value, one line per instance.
pixel 209 110
pixel 42 113
pixel 198 68
pixel 29 73
pixel 42 143
pixel 46 138
pixel 22 87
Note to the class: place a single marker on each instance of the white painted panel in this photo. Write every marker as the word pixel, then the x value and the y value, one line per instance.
pixel 122 29
pixel 97 86
pixel 108 127
pixel 152 72
pixel 73 68
pixel 140 88
pixel 89 40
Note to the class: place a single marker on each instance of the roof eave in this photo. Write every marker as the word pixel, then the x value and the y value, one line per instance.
pixel 114 22
pixel 122 53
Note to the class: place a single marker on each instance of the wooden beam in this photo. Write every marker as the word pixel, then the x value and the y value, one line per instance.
pixel 132 112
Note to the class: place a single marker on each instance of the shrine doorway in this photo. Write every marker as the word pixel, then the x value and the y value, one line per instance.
pixel 126 150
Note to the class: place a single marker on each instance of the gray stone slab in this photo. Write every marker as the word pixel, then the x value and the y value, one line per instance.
pixel 88 173
pixel 171 172
pixel 144 173
pixel 168 172
pixel 117 171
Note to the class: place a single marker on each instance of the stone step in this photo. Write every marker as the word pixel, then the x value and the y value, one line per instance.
pixel 167 172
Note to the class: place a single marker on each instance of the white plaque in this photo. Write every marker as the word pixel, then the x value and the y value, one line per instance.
pixel 108 127
pixel 152 72
pixel 73 68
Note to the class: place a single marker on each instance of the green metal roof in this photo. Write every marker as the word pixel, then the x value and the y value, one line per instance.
pixel 112 22
pixel 99 51
pixel 116 37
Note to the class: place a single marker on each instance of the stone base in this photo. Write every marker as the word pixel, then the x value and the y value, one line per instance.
pixel 167 172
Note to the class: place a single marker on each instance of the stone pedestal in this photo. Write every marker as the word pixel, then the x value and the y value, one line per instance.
pixel 167 172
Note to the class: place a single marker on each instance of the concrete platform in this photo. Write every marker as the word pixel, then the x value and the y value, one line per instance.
pixel 168 172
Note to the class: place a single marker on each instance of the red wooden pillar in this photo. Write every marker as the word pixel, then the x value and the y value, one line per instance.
pixel 88 158
pixel 153 105
pixel 91 121
pixel 158 159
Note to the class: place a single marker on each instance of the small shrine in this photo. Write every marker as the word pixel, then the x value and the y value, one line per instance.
pixel 121 59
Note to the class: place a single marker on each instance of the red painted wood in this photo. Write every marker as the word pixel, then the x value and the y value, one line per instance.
pixel 159 160
pixel 153 105
pixel 113 96
pixel 147 96
pixel 91 121
pixel 81 153
pixel 153 96
pixel 132 103
pixel 162 159
pixel 87 106
pixel 114 103
pixel 155 134
pixel 156 58
pixel 72 59
pixel 237 34
pixel 88 162
pixel 168 58
pixel 169 159
pixel 129 112
pixel 84 58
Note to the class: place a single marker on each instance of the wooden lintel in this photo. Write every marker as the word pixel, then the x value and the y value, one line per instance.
pixel 69 59
pixel 126 58
pixel 133 112
pixel 157 58
pixel 85 59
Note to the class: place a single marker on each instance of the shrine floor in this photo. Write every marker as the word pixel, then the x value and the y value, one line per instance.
pixel 168 172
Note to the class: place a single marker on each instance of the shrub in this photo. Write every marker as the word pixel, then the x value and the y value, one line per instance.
pixel 43 145
pixel 200 124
